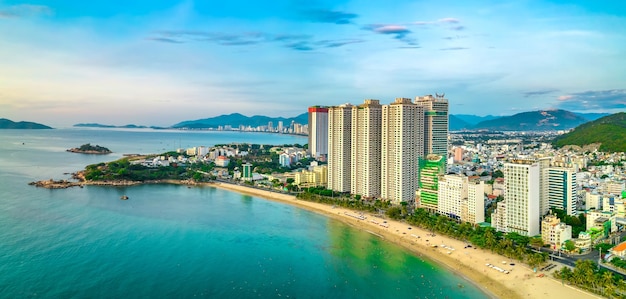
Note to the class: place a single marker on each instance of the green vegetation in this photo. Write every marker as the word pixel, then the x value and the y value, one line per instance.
pixel 618 262
pixel 123 170
pixel 610 131
pixel 323 195
pixel 578 223
pixel 588 276
pixel 93 148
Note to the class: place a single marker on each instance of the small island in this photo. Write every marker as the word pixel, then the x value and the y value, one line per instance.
pixel 90 149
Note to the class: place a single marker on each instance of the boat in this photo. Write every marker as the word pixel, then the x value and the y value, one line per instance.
pixel 124 197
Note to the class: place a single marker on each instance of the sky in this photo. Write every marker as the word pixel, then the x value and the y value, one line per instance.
pixel 161 62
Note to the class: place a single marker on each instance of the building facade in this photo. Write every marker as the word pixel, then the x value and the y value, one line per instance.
pixel 554 232
pixel 318 131
pixel 403 144
pixel 435 124
pixel 366 155
pixel 431 168
pixel 562 189
pixel 522 179
pixel 339 147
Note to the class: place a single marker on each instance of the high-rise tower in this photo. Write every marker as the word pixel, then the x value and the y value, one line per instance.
pixel 339 147
pixel 522 179
pixel 435 124
pixel 318 131
pixel 403 144
pixel 366 149
pixel 562 187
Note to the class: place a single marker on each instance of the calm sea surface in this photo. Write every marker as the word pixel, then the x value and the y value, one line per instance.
pixel 176 242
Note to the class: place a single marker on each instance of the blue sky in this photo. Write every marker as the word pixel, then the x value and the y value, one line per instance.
pixel 161 62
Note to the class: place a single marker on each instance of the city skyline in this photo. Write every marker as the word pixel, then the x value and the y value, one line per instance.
pixel 158 63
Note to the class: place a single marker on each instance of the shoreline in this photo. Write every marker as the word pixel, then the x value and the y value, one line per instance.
pixel 467 263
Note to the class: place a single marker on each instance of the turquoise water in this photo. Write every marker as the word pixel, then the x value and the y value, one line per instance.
pixel 174 241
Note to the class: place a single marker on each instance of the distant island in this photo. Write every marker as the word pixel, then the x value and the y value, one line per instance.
pixel 26 125
pixel 90 149
pixel 129 126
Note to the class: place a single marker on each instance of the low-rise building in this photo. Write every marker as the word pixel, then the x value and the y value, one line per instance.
pixel 222 161
pixel 555 232
pixel 619 250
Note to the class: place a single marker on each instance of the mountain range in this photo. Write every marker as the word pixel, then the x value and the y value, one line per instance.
pixel 236 119
pixel 9 124
pixel 525 121
pixel 533 120
pixel 609 131
pixel 130 126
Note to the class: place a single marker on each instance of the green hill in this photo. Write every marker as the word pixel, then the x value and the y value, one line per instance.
pixel 9 124
pixel 542 120
pixel 610 131
pixel 237 119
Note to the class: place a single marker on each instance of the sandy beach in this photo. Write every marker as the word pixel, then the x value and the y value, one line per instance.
pixel 521 282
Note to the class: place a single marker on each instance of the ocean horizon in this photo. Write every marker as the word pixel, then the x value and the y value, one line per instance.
pixel 176 241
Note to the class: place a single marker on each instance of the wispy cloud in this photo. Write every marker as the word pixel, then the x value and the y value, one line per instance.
pixel 449 20
pixel 593 100
pixel 24 10
pixel 453 49
pixel 299 42
pixel 329 16
pixel 164 40
pixel 453 24
pixel 398 32
pixel 533 93
pixel 314 45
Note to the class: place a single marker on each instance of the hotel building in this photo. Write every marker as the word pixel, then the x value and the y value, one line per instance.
pixel 318 131
pixel 430 169
pixel 435 124
pixel 366 149
pixel 522 180
pixel 402 145
pixel 562 193
pixel 339 147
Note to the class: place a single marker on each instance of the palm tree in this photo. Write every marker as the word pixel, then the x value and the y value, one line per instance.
pixel 608 284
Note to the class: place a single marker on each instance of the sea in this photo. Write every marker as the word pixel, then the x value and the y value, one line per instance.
pixel 171 241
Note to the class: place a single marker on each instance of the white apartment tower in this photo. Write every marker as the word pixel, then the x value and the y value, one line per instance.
pixel 452 192
pixel 339 147
pixel 403 144
pixel 475 201
pixel 462 198
pixel 435 124
pixel 522 180
pixel 318 131
pixel 366 149
pixel 562 189
pixel 544 165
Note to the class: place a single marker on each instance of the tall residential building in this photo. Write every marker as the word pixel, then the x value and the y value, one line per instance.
pixel 475 201
pixel 430 169
pixel 522 180
pixel 339 147
pixel 247 171
pixel 318 131
pixel 544 165
pixel 403 144
pixel 562 189
pixel 435 124
pixel 366 149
